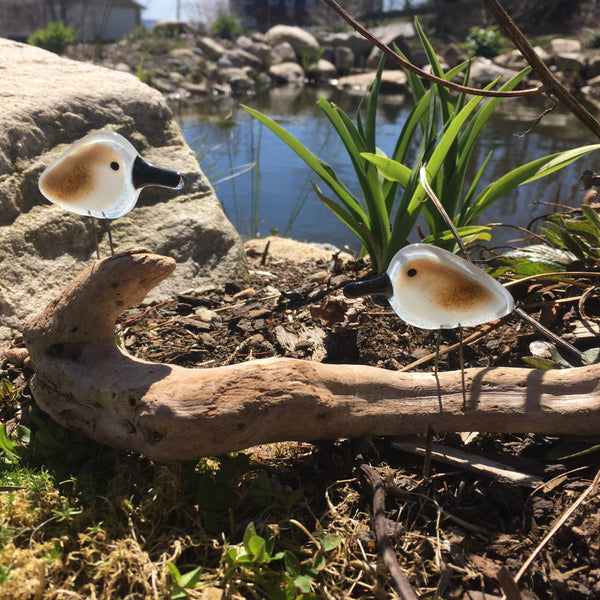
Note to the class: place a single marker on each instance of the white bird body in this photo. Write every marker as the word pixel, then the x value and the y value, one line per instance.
pixel 99 176
pixel 433 288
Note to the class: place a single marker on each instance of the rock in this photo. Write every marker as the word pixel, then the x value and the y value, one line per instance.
pixel 176 77
pixel 391 35
pixel 453 55
pixel 262 50
pixel 323 70
pixel 560 45
pixel 343 58
pixel 224 62
pixel 174 64
pixel 282 52
pixel 353 40
pixel 484 71
pixel 570 63
pixel 124 67
pixel 244 42
pixel 287 72
pixel 210 48
pixel 286 249
pixel 238 79
pixel 305 44
pixel 164 86
pixel 593 65
pixel 392 82
pixel 241 58
pixel 198 90
pixel 172 28
pixel 51 102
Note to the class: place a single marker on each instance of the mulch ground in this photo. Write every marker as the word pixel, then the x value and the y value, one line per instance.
pixel 454 531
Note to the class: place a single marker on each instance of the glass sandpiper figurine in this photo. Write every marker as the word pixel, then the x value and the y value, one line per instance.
pixel 101 175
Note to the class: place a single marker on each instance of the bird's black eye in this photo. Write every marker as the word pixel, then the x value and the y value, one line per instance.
pixel 114 165
pixel 411 272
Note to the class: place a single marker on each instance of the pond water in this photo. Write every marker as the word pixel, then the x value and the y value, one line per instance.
pixel 265 187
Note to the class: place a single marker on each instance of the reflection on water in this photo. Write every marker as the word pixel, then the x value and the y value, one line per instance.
pixel 271 187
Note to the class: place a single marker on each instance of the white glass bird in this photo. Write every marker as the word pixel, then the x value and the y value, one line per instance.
pixel 431 288
pixel 101 175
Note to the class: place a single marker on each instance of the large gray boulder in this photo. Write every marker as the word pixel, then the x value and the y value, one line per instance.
pixel 49 102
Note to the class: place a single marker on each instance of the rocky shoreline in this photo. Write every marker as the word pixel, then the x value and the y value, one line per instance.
pixel 188 65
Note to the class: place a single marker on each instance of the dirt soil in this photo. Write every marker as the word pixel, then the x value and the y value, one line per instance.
pixel 454 531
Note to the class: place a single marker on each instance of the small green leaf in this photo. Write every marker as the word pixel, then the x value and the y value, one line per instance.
pixel 303 582
pixel 190 579
pixel 291 563
pixel 319 562
pixel 390 169
pixel 257 548
pixel 7 387
pixel 329 542
pixel 537 362
pixel 261 490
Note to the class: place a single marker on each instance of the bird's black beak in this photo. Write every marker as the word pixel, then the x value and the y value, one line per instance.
pixel 144 174
pixel 381 285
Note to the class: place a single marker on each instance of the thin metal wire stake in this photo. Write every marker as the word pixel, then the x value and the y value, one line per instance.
pixel 461 356
pixel 109 231
pixel 95 228
pixel 436 367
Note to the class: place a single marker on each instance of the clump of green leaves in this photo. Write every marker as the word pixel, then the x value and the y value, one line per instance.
pixel 54 37
pixel 485 41
pixel 579 235
pixel 440 132
pixel 592 39
pixel 226 26
pixel 279 574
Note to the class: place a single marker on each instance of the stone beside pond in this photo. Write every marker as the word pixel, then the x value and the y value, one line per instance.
pixel 49 102
pixel 201 66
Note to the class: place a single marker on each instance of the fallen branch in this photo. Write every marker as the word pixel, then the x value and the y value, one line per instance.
pixel 401 583
pixel 168 412
pixel 470 462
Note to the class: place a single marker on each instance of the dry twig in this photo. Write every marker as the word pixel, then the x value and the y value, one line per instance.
pixel 401 583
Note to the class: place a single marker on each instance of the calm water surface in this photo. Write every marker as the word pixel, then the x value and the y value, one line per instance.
pixel 271 191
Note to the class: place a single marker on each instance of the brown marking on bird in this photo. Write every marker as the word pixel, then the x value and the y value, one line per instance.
pixel 77 175
pixel 445 286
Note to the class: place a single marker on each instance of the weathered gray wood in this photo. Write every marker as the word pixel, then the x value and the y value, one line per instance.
pixel 171 413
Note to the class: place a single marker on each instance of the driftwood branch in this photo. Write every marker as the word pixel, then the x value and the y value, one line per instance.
pixel 170 413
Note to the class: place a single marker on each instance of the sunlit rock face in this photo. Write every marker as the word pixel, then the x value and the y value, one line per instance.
pixel 50 102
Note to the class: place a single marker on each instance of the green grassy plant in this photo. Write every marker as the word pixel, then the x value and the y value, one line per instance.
pixel 226 26
pixel 485 41
pixel 54 37
pixel 440 132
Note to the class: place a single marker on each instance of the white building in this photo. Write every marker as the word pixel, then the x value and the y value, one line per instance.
pixel 107 19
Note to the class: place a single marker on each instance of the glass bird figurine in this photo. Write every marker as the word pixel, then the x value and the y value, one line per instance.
pixel 101 175
pixel 431 288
